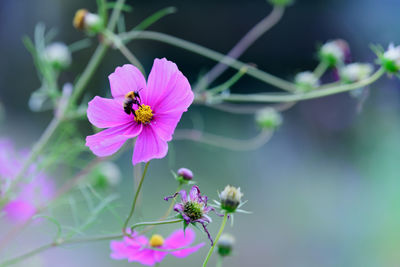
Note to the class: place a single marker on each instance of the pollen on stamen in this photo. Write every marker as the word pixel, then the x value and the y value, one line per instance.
pixel 156 241
pixel 143 114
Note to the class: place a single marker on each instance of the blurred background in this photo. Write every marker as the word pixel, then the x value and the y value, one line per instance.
pixel 324 191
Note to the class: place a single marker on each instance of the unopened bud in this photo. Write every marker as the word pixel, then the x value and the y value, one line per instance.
pixel 225 244
pixel 390 60
pixel 355 72
pixel 306 81
pixel 90 22
pixel 58 55
pixel 334 52
pixel 185 174
pixel 268 118
pixel 106 174
pixel 230 198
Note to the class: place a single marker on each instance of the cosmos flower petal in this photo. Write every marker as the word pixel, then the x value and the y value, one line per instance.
pixel 149 146
pixel 194 193
pixel 187 251
pixel 125 79
pixel 119 250
pixel 180 238
pixel 145 257
pixel 168 90
pixel 166 124
pixel 105 113
pixel 19 210
pixel 107 142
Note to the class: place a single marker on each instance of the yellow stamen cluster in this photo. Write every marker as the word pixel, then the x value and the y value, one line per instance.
pixel 143 114
pixel 79 19
pixel 156 241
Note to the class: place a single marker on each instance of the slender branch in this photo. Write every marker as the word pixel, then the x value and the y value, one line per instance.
pixel 223 142
pixel 320 69
pixel 247 40
pixel 326 91
pixel 135 198
pixel 61 241
pixel 198 49
pixel 221 229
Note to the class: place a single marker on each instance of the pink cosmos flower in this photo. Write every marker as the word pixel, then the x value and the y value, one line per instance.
pixel 149 252
pixel 149 111
pixel 30 193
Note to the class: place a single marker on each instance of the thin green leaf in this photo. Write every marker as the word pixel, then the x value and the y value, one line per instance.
pixel 154 18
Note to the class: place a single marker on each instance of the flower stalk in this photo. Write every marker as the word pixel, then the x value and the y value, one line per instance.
pixel 221 229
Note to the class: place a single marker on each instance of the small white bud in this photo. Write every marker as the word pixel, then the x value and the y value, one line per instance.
pixel 390 60
pixel 225 244
pixel 334 52
pixel 230 198
pixel 84 20
pixel 355 72
pixel 306 81
pixel 58 55
pixel 268 118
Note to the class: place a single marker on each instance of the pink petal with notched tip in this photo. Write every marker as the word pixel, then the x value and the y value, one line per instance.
pixel 167 90
pixel 109 141
pixel 149 146
pixel 105 113
pixel 125 79
pixel 165 124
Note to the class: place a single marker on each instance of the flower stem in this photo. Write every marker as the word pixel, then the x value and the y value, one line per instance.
pixel 320 69
pixel 219 261
pixel 198 49
pixel 61 241
pixel 221 229
pixel 135 198
pixel 290 97
pixel 245 42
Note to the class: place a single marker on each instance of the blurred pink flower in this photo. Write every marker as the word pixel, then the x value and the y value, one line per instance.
pixel 152 114
pixel 30 193
pixel 138 248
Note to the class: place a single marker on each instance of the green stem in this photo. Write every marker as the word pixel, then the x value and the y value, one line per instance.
pixel 326 91
pixel 219 261
pixel 198 49
pixel 135 198
pixel 221 229
pixel 155 223
pixel 61 242
pixel 320 69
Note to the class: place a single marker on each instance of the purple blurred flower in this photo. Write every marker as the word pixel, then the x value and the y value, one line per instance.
pixel 193 208
pixel 30 193
pixel 138 248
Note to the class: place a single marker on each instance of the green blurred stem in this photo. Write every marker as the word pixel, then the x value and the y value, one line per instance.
pixel 198 49
pixel 219 261
pixel 221 229
pixel 135 198
pixel 78 90
pixel 60 242
pixel 320 69
pixel 326 91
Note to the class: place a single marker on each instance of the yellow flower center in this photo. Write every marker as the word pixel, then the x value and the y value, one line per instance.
pixel 143 114
pixel 156 241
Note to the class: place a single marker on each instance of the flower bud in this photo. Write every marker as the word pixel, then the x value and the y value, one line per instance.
pixel 106 174
pixel 306 81
pixel 58 55
pixel 90 22
pixel 390 60
pixel 185 174
pixel 268 118
pixel 355 72
pixel 334 52
pixel 281 3
pixel 230 198
pixel 225 244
